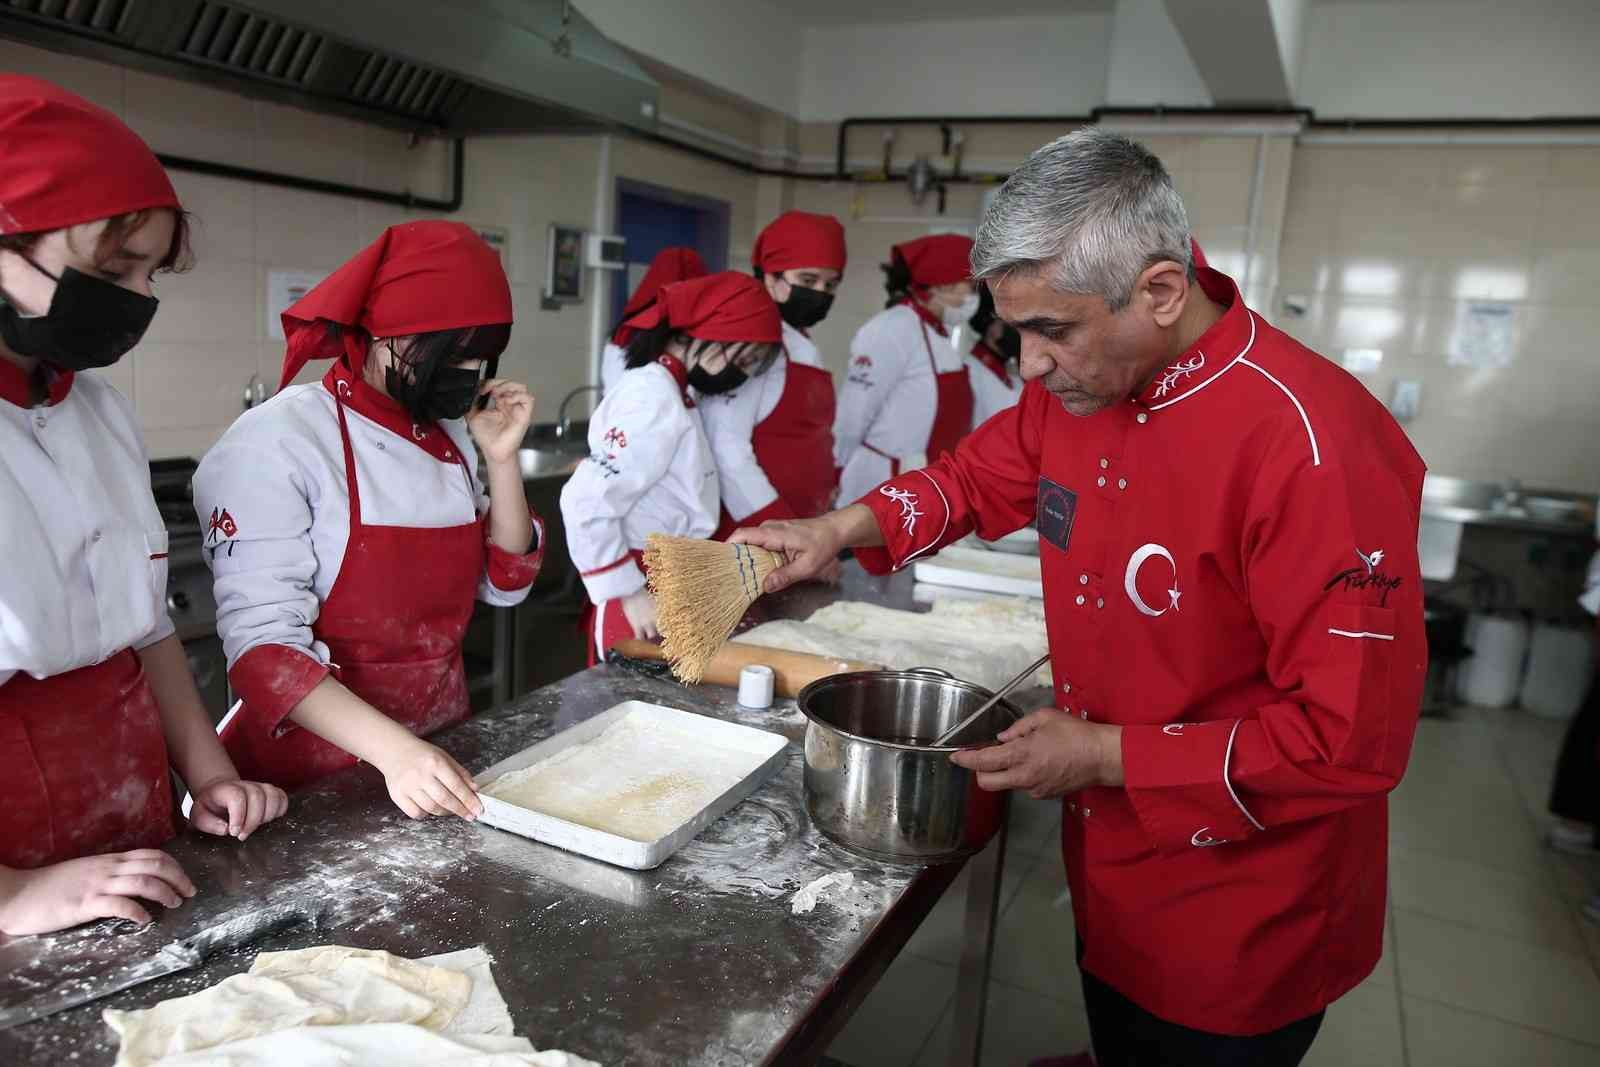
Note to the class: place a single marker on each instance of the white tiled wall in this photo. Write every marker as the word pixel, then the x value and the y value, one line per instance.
pixel 187 378
pixel 1387 243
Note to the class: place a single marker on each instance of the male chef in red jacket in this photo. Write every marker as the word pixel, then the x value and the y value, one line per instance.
pixel 1228 534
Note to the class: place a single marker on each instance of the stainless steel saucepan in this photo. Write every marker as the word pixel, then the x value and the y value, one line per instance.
pixel 872 782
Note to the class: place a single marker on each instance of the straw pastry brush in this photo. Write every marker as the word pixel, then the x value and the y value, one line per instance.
pixel 702 589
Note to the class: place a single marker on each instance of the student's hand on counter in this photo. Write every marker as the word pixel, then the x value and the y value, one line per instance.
pixel 93 887
pixel 230 807
pixel 498 429
pixel 640 610
pixel 424 780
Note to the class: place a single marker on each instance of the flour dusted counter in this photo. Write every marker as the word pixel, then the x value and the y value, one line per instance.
pixel 700 961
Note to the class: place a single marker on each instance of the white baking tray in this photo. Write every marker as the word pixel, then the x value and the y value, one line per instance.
pixel 977 568
pixel 763 755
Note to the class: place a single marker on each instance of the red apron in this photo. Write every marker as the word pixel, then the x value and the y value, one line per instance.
pixel 393 623
pixel 606 623
pixel 85 765
pixel 952 413
pixel 794 445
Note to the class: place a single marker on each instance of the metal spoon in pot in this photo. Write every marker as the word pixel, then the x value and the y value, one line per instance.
pixel 1028 672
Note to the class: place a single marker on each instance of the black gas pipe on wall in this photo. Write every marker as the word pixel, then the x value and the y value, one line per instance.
pixel 458 173
pixel 841 170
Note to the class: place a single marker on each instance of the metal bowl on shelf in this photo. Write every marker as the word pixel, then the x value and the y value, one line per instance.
pixel 873 785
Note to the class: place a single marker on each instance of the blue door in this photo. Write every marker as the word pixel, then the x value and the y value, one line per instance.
pixel 652 218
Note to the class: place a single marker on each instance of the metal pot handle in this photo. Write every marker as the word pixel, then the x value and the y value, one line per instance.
pixel 937 672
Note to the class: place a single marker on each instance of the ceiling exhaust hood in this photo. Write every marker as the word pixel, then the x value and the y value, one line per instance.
pixel 441 67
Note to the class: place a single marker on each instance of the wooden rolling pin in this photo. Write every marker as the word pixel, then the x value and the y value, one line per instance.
pixel 792 671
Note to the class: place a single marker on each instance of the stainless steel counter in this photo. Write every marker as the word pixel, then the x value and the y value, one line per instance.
pixel 697 962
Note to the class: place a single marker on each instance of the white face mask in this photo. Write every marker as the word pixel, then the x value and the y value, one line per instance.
pixel 958 315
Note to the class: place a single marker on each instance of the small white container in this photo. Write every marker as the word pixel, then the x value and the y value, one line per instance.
pixel 755 686
pixel 1492 675
pixel 1560 666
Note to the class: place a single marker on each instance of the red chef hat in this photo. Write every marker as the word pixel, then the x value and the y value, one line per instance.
pixel 670 265
pixel 721 307
pixel 940 259
pixel 799 239
pixel 64 161
pixel 417 277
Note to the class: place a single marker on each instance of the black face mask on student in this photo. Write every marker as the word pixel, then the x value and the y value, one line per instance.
pixel 449 393
pixel 91 322
pixel 805 307
pixel 725 380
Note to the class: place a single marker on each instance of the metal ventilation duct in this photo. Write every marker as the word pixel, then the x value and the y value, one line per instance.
pixel 444 67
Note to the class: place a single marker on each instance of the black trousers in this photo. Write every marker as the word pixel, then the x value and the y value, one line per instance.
pixel 1576 792
pixel 1125 1035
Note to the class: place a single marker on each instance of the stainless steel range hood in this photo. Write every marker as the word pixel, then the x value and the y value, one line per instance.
pixel 452 67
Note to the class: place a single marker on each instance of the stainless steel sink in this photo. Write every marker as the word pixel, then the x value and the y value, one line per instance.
pixel 1507 504
pixel 549 449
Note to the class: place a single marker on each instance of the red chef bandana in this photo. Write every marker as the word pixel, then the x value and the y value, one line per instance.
pixel 670 265
pixel 722 307
pixel 64 161
pixel 942 259
pixel 417 277
pixel 1199 256
pixel 798 239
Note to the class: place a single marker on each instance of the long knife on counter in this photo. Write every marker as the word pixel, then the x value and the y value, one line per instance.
pixel 172 958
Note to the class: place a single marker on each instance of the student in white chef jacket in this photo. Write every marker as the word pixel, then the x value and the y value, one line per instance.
pixel 907 399
pixel 97 705
pixel 773 439
pixel 649 468
pixel 993 365
pixel 675 264
pixel 349 534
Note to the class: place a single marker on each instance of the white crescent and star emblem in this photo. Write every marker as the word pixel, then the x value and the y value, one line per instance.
pixel 1130 581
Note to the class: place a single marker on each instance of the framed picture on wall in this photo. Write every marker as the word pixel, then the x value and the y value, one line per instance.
pixel 564 265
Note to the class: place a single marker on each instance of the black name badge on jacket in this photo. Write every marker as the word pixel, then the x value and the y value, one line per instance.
pixel 1058 506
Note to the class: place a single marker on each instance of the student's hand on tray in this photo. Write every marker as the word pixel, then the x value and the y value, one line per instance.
pixel 424 780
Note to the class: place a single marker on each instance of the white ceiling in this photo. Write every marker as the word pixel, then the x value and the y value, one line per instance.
pixel 848 12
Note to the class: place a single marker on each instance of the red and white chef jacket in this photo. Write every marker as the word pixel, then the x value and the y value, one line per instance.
pixel 730 421
pixel 995 386
pixel 85 575
pixel 649 470
pixel 890 396
pixel 274 503
pixel 1230 574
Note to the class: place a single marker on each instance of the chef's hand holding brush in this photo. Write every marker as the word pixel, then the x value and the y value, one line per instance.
pixel 703 588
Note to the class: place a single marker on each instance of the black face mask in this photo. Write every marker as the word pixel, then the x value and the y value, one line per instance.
pixel 448 395
pixel 725 380
pixel 805 307
pixel 91 322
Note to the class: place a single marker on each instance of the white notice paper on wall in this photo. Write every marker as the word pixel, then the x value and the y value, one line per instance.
pixel 1484 335
pixel 284 287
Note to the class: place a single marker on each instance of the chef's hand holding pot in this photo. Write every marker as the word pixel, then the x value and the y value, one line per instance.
pixel 1048 753
pixel 811 547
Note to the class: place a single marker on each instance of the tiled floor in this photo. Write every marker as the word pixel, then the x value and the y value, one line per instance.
pixel 1488 960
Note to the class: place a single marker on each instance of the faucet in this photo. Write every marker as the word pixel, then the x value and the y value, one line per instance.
pixel 563 424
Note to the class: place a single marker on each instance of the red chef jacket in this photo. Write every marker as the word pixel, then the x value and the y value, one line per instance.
pixel 1230 574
